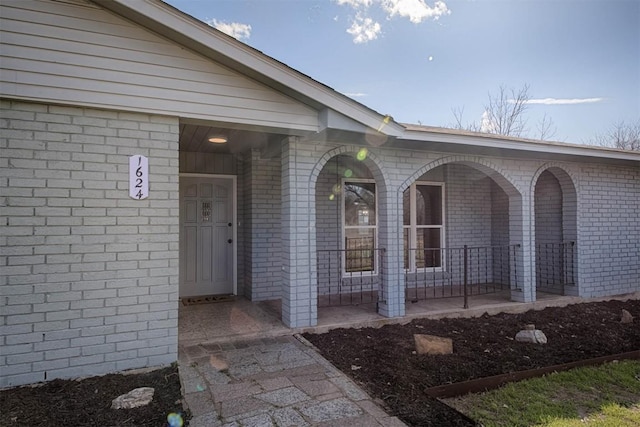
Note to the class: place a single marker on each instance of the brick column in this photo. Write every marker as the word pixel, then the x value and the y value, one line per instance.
pixel 391 238
pixel 520 232
pixel 299 295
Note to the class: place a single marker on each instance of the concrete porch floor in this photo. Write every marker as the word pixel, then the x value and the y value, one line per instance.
pixel 241 319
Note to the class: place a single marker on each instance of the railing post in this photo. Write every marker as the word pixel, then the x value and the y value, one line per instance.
pixel 466 273
pixel 381 295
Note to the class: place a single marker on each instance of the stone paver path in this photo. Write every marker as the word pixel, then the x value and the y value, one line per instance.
pixel 271 382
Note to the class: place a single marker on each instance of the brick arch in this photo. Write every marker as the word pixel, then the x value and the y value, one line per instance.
pixel 499 175
pixel 566 177
pixel 372 161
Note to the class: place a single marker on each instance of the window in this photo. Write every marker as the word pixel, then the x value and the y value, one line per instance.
pixel 359 226
pixel 423 225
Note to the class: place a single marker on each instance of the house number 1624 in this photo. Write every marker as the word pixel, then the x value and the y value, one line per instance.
pixel 138 177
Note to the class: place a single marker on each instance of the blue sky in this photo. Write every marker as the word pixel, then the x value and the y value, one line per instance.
pixel 417 60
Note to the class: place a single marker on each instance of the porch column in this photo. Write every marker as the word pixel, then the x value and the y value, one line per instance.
pixel 299 294
pixel 520 232
pixel 392 303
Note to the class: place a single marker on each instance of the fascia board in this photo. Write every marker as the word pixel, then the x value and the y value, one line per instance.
pixel 529 146
pixel 198 36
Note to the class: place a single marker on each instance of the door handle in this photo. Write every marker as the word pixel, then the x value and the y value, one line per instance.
pixel 230 241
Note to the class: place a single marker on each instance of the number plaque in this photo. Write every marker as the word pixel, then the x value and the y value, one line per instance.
pixel 138 177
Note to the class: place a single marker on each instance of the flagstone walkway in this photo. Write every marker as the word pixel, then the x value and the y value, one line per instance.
pixel 279 381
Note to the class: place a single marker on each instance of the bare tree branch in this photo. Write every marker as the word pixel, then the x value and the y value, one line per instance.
pixel 546 128
pixel 504 113
pixel 620 135
pixel 458 113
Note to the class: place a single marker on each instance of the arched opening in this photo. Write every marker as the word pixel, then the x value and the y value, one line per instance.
pixel 349 252
pixel 463 232
pixel 555 209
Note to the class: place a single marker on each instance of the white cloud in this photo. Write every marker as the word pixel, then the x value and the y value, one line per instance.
pixel 487 125
pixel 355 94
pixel 416 10
pixel 355 3
pixel 234 29
pixel 364 29
pixel 564 101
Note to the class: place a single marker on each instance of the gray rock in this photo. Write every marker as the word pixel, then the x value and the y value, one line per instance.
pixel 137 397
pixel 535 336
pixel 626 317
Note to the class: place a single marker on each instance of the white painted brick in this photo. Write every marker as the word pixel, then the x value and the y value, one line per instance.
pixel 17 349
pixel 132 309
pixel 11 370
pixel 50 325
pixel 11 310
pixel 23 338
pixel 86 323
pixel 131 345
pixel 25 319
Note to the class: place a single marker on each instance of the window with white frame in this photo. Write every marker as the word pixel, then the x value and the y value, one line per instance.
pixel 359 226
pixel 423 226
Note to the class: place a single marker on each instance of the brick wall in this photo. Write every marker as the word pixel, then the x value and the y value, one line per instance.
pixel 468 207
pixel 609 230
pixel 262 204
pixel 90 277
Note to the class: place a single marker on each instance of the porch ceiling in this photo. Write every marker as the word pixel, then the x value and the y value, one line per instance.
pixel 194 138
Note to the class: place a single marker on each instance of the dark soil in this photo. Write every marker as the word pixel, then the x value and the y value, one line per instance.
pixel 87 402
pixel 384 362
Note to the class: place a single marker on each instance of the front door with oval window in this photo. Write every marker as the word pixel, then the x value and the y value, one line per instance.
pixel 206 236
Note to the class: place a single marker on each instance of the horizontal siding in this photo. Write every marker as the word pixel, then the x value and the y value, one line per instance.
pixel 80 54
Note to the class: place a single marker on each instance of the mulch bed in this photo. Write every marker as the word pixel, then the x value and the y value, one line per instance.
pixel 384 362
pixel 87 402
pixel 381 360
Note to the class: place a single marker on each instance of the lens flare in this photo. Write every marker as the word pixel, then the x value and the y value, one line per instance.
pixel 362 154
pixel 175 420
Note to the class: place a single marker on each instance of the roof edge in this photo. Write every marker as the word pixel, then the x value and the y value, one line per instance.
pixel 462 137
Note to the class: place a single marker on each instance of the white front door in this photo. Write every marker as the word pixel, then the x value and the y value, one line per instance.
pixel 206 236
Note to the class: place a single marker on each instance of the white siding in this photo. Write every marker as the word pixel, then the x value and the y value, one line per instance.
pixel 81 54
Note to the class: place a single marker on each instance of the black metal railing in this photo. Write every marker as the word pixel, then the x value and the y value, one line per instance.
pixel 555 266
pixel 460 272
pixel 350 276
